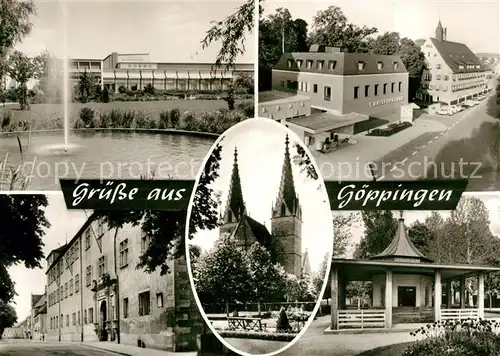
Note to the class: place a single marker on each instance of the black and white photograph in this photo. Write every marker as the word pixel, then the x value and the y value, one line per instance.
pixel 76 282
pixel 412 283
pixel 402 90
pixel 260 238
pixel 119 89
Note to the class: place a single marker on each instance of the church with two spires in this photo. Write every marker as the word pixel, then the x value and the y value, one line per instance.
pixel 284 238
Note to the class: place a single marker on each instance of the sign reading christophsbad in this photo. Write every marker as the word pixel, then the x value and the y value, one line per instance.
pixel 385 101
pixel 396 195
pixel 127 194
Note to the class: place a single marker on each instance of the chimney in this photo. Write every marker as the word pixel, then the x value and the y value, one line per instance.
pixel 317 48
pixel 333 49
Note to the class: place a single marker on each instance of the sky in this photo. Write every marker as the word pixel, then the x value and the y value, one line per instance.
pixel 64 225
pixel 473 22
pixel 170 31
pixel 261 147
pixel 491 201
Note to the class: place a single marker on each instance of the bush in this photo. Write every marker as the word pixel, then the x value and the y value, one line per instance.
pixel 6 120
pixel 248 108
pixel 87 117
pixel 105 95
pixel 286 337
pixel 122 89
pixel 164 120
pixel 282 324
pixel 465 338
pixel 174 118
pixel 390 130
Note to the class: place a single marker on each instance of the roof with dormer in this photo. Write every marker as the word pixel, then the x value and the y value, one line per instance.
pixel 287 193
pixel 457 54
pixel 401 247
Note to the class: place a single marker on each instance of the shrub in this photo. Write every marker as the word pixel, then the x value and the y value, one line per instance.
pixel 105 95
pixel 248 108
pixel 188 122
pixel 122 89
pixel 87 116
pixel 391 129
pixel 149 89
pixel 282 324
pixel 454 338
pixel 164 122
pixel 6 120
pixel 286 337
pixel 174 118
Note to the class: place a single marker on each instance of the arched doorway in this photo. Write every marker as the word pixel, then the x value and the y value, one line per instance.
pixel 103 318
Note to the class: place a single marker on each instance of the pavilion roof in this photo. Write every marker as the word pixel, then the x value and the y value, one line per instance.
pixel 401 247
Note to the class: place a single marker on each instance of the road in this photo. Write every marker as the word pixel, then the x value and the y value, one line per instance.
pixel 28 348
pixel 414 160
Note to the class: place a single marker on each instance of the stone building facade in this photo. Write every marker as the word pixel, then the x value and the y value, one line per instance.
pixel 95 293
pixel 284 241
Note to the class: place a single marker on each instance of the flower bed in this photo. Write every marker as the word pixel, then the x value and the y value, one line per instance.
pixel 390 130
pixel 257 335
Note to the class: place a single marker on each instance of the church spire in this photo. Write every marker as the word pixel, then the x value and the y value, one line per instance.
pixel 287 195
pixel 235 202
pixel 440 32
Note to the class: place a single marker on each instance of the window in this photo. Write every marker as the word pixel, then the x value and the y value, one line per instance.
pixel 438 77
pixel 392 87
pixel 101 266
pixel 289 63
pixel 73 319
pixel 327 91
pixel 385 88
pixel 445 77
pixel 88 276
pixel 144 303
pixel 367 90
pixel 91 315
pixel 356 92
pixel 400 86
pixel 299 63
pixel 361 65
pixel 460 66
pixel 375 90
pixel 85 316
pixel 159 300
pixel 332 65
pixel 99 242
pixel 67 319
pixel 380 65
pixel 396 65
pixel 100 228
pixel 315 88
pixel 124 253
pixel 66 290
pixel 144 244
pixel 88 239
pixel 70 286
pixel 438 66
pixel 319 64
pixel 283 210
pixel 125 308
pixel 77 283
pixel 62 320
pixel 309 64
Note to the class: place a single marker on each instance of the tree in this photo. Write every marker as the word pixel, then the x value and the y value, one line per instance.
pixel 21 68
pixel 87 87
pixel 342 224
pixel 16 24
pixel 105 95
pixel 437 247
pixel 330 27
pixel 298 289
pixel 380 227
pixel 318 277
pixel 414 60
pixel 302 159
pixel 23 222
pixel 422 237
pixel 386 44
pixel 8 316
pixel 221 274
pixel 358 290
pixel 194 253
pixel 244 83
pixel 229 96
pixel 231 33
pixel 264 278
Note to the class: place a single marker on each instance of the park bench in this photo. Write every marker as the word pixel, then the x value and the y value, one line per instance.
pixel 246 323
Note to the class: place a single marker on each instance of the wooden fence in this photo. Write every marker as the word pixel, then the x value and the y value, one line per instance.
pixel 361 319
pixel 459 314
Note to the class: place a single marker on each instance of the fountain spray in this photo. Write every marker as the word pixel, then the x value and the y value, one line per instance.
pixel 65 74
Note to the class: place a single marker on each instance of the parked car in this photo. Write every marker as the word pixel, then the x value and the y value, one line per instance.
pixel 445 111
pixel 455 108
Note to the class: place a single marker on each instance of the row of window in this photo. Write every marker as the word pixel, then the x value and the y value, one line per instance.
pixel 320 64
pixel 144 308
pixel 469 76
pixel 454 88
pixel 327 90
pixel 65 291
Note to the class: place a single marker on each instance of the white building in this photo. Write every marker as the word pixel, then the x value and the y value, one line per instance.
pixel 453 72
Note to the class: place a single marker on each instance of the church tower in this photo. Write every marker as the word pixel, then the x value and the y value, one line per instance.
pixel 286 221
pixel 440 32
pixel 235 206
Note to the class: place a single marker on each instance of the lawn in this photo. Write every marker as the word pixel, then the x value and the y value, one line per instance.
pixel 391 350
pixel 48 112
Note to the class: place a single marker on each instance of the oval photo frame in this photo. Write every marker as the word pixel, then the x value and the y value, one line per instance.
pixel 251 244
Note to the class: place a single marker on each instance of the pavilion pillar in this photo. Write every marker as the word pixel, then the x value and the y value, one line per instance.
pixel 437 295
pixel 462 292
pixel 448 294
pixel 480 295
pixel 334 279
pixel 342 290
pixel 388 299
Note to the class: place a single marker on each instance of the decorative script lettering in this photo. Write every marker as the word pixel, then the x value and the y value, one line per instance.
pixel 386 101
pixel 350 193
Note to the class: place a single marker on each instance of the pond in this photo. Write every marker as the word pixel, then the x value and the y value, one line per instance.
pixel 104 155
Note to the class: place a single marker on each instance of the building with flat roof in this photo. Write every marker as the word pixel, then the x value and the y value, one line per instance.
pixel 95 292
pixel 453 72
pixel 134 71
pixel 331 91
